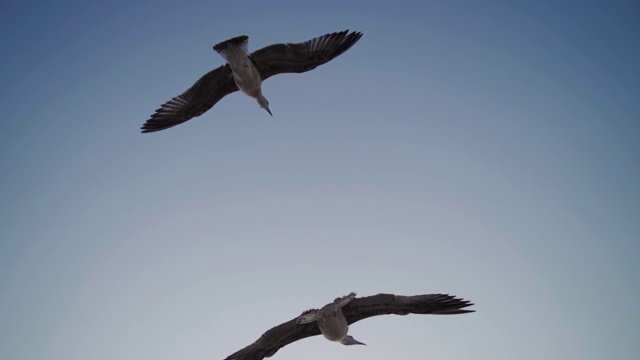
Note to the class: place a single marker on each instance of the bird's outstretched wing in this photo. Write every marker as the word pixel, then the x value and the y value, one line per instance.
pixel 301 57
pixel 271 341
pixel 360 308
pixel 384 304
pixel 200 97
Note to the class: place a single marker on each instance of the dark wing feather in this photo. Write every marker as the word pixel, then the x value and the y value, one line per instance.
pixel 271 341
pixel 384 304
pixel 200 97
pixel 301 57
pixel 360 308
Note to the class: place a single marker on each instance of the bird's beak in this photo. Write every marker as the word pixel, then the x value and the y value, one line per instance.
pixel 349 340
pixel 269 111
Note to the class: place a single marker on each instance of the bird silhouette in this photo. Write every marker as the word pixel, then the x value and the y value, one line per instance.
pixel 351 309
pixel 246 72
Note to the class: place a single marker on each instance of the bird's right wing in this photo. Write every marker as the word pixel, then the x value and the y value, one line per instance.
pixel 200 97
pixel 304 56
pixel 272 340
pixel 384 304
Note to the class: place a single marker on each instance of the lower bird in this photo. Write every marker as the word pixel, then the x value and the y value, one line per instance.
pixel 333 319
pixel 246 72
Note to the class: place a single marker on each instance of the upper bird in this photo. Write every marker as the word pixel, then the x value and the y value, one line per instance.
pixel 334 318
pixel 246 72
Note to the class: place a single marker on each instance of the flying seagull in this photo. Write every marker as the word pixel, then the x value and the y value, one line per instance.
pixel 246 72
pixel 334 318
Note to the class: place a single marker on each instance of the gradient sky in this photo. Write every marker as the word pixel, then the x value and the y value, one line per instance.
pixel 484 149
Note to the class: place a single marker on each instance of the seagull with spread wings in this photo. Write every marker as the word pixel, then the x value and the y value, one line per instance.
pixel 333 319
pixel 246 72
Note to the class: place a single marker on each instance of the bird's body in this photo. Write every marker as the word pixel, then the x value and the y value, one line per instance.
pixel 333 325
pixel 246 76
pixel 246 72
pixel 333 320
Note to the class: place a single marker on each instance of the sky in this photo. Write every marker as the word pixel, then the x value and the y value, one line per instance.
pixel 483 149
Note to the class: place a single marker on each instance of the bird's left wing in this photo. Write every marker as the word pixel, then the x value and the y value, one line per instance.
pixel 200 97
pixel 301 57
pixel 274 339
pixel 384 304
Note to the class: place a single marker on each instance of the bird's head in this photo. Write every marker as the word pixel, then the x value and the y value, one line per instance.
pixel 264 103
pixel 349 340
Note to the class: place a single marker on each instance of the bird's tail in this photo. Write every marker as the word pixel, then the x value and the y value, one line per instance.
pixel 307 317
pixel 241 42
pixel 342 301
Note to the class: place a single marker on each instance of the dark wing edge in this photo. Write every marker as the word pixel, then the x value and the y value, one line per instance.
pixel 385 304
pixel 274 339
pixel 305 56
pixel 199 98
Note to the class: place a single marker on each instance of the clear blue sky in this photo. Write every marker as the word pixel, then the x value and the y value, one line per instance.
pixel 484 149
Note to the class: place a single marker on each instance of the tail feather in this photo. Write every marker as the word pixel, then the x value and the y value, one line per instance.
pixel 342 301
pixel 307 318
pixel 241 42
